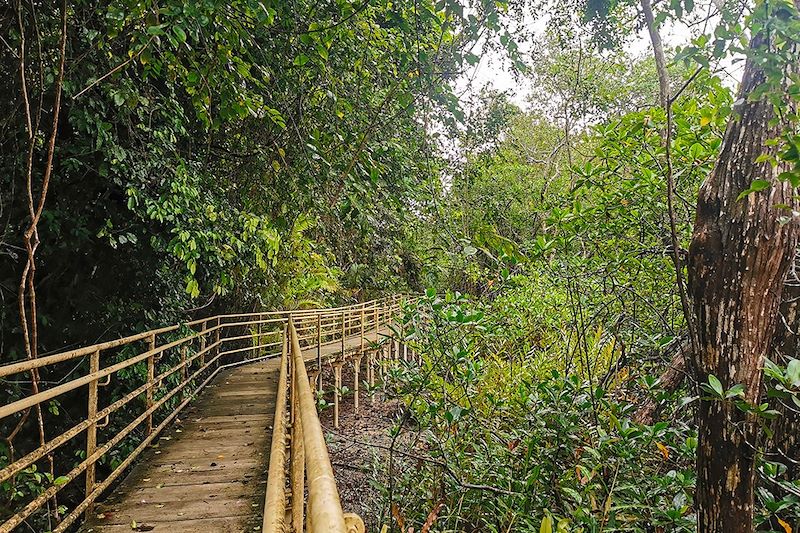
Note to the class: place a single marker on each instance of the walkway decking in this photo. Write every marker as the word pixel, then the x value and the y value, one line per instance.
pixel 208 471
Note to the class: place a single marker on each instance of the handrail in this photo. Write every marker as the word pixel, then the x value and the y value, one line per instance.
pixel 275 500
pixel 297 431
pixel 324 508
pixel 178 361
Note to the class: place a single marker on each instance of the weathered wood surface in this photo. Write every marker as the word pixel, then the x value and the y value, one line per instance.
pixel 208 471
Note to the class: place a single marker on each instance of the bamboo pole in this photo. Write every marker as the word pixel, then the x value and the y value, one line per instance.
pixel 275 499
pixel 324 506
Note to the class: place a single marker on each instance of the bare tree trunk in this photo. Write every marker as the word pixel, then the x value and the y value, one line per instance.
pixel 738 260
pixel 784 446
pixel 658 53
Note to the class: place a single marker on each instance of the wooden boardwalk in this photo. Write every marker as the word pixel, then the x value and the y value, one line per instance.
pixel 208 471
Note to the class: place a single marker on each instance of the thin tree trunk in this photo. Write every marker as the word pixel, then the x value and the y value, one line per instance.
pixel 738 260
pixel 658 53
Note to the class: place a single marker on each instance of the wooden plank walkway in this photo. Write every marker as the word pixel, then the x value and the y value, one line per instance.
pixel 208 471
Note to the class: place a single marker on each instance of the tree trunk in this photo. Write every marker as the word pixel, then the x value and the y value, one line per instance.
pixel 738 259
pixel 784 446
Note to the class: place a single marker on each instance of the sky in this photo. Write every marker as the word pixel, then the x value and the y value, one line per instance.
pixel 493 69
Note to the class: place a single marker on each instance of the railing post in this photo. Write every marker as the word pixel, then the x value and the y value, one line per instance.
pixel 371 374
pixel 184 370
pixel 203 344
pixel 257 348
pixel 344 314
pixel 362 329
pixel 151 378
pixel 91 431
pixel 356 370
pixel 291 371
pixel 337 373
pixel 319 352
pixel 218 348
pixel 377 325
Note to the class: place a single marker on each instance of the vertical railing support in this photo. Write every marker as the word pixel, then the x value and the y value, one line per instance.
pixel 91 431
pixel 184 370
pixel 361 349
pixel 371 375
pixel 337 373
pixel 319 353
pixel 344 314
pixel 151 378
pixel 217 337
pixel 257 348
pixel 356 370
pixel 203 343
pixel 377 324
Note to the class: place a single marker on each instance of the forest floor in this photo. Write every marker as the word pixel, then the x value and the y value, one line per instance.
pixel 359 450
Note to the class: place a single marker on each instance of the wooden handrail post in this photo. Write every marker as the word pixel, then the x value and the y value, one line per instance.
pixel 337 374
pixel 257 348
pixel 319 353
pixel 343 331
pixel 375 325
pixel 91 431
pixel 217 336
pixel 356 370
pixel 203 343
pixel 184 369
pixel 371 375
pixel 151 377
pixel 361 349
pixel 292 388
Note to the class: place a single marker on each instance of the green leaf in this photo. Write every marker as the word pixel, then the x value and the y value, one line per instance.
pixel 547 524
pixel 715 384
pixel 61 480
pixel 300 60
pixel 574 494
pixel 696 150
pixel 793 372
pixel 757 186
pixel 180 35
pixel 735 391
pixel 792 177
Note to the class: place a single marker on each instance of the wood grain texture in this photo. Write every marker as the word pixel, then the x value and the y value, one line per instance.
pixel 208 471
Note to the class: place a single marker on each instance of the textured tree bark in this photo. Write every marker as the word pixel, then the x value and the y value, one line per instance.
pixel 784 446
pixel 738 260
pixel 669 380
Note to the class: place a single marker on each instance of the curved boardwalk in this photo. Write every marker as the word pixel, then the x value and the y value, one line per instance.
pixel 208 471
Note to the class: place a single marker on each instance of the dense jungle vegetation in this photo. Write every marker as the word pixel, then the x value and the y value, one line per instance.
pixel 609 321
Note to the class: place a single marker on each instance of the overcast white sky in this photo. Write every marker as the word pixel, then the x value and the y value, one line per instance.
pixel 493 69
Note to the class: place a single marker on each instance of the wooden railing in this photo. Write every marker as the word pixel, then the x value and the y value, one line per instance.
pixel 298 456
pixel 154 375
